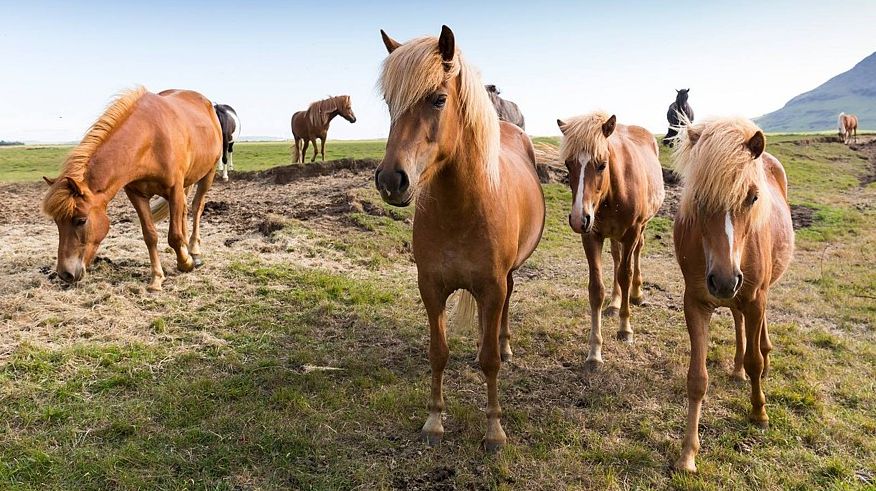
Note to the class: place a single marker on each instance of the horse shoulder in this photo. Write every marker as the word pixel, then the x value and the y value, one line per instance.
pixel 775 170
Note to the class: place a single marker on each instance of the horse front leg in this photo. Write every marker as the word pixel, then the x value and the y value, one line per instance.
pixel 435 299
pixel 198 209
pixel 739 358
pixel 614 305
pixel 624 279
pixel 636 295
pixel 596 290
pixel 315 151
pixel 696 316
pixel 305 143
pixel 490 307
pixel 322 148
pixel 176 235
pixel 150 236
pixel 754 358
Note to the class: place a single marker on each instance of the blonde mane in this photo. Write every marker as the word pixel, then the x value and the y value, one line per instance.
pixel 584 134
pixel 59 202
pixel 317 112
pixel 415 70
pixel 718 169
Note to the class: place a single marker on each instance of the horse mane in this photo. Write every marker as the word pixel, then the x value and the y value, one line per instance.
pixel 718 169
pixel 415 70
pixel 59 202
pixel 317 112
pixel 584 134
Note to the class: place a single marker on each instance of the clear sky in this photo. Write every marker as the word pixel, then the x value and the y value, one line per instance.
pixel 63 61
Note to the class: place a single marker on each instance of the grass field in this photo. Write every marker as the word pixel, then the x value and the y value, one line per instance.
pixel 297 359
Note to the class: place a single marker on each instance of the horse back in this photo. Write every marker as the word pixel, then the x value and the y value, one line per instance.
pixel 189 127
pixel 641 185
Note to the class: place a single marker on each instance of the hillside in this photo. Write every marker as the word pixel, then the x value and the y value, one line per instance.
pixel 853 91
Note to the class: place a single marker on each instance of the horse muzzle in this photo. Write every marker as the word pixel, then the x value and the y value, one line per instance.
pixel 582 224
pixel 71 273
pixel 724 287
pixel 394 186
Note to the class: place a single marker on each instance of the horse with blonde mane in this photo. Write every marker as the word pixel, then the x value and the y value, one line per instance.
pixel 733 240
pixel 313 123
pixel 847 126
pixel 147 144
pixel 617 187
pixel 480 209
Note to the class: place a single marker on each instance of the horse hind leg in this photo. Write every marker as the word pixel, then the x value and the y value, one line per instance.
pixel 305 144
pixel 505 332
pixel 176 235
pixel 315 151
pixel 197 210
pixel 624 279
pixel 636 295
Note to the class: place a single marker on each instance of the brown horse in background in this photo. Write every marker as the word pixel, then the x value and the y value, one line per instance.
pixel 480 210
pixel 146 144
pixel 617 187
pixel 847 126
pixel 313 124
pixel 733 240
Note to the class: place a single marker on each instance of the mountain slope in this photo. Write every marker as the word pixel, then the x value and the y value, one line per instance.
pixel 851 92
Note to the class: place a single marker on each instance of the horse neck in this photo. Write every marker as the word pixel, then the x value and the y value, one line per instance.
pixel 105 177
pixel 461 184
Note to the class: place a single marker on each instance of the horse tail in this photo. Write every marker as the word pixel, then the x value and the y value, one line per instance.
pixel 161 208
pixel 463 313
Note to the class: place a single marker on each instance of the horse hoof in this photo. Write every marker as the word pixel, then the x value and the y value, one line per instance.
pixel 493 447
pixel 638 301
pixel 198 262
pixel 685 465
pixel 431 439
pixel 186 266
pixel 593 365
pixel 739 376
pixel 625 336
pixel 507 357
pixel 763 424
pixel 153 288
pixel 610 311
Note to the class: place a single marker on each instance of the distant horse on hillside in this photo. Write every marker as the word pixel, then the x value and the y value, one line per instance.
pixel 146 144
pixel 230 124
pixel 733 240
pixel 677 108
pixel 507 110
pixel 847 126
pixel 313 124
pixel 480 211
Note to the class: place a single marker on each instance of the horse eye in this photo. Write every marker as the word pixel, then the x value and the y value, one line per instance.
pixel 79 221
pixel 752 199
pixel 440 101
pixel 601 166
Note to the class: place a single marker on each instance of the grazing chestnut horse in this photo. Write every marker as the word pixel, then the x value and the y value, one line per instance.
pixel 733 240
pixel 146 144
pixel 480 210
pixel 313 124
pixel 617 187
pixel 847 125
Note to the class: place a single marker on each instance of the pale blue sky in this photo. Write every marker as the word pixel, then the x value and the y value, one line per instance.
pixel 62 61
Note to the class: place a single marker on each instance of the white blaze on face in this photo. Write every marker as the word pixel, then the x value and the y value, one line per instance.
pixel 578 205
pixel 728 229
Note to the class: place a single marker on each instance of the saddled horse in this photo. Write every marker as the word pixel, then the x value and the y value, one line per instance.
pixel 480 209
pixel 617 187
pixel 147 144
pixel 733 240
pixel 679 113
pixel 313 123
pixel 230 124
pixel 847 127
pixel 507 110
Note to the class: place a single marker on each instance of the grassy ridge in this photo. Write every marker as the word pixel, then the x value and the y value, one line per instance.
pixel 246 412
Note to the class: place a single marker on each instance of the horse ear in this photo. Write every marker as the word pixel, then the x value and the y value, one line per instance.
pixel 608 126
pixel 447 44
pixel 693 134
pixel 49 181
pixel 562 125
pixel 390 43
pixel 75 190
pixel 756 144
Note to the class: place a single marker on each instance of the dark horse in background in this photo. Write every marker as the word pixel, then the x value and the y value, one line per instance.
pixel 673 115
pixel 230 124
pixel 507 110
pixel 313 123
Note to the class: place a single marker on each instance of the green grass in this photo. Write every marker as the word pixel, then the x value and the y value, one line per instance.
pixel 250 411
pixel 29 163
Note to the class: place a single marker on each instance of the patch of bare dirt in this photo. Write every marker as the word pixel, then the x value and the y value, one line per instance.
pixel 868 148
pixel 801 216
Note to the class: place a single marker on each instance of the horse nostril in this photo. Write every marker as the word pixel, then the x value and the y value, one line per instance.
pixel 585 222
pixel 739 280
pixel 377 179
pixel 712 285
pixel 403 183
pixel 66 276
